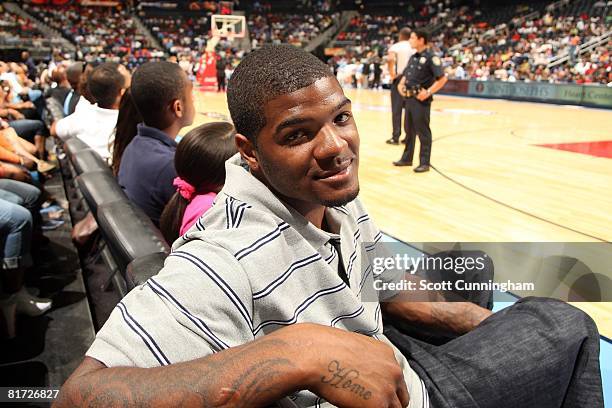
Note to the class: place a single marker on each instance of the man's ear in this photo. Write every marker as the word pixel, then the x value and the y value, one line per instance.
pixel 178 108
pixel 248 152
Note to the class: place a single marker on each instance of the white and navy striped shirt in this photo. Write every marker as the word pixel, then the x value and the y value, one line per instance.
pixel 250 266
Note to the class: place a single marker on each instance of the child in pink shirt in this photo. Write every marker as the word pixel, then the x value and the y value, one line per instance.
pixel 200 165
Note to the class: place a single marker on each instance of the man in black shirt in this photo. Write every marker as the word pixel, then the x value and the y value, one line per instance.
pixel 422 78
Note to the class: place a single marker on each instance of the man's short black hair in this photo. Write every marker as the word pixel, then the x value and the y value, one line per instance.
pixel 154 86
pixel 421 33
pixel 105 84
pixel 262 75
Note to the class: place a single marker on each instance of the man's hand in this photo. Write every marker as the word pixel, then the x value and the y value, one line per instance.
pixel 401 86
pixel 15 173
pixel 422 95
pixel 348 369
pixel 28 163
pixel 441 316
pixel 16 114
pixel 391 58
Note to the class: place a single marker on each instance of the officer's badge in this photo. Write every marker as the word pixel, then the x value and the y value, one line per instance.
pixel 422 60
pixel 436 60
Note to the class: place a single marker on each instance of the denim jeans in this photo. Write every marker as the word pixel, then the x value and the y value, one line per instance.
pixel 19 203
pixel 536 353
pixel 15 235
pixel 28 128
pixel 23 194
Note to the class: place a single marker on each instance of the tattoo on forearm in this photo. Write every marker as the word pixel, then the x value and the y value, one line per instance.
pixel 345 378
pixel 210 382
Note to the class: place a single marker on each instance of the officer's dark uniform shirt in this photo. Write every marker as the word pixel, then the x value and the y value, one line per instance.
pixel 423 69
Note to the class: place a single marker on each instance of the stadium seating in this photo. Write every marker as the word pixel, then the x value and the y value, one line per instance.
pixel 16 30
pixel 99 188
pixel 87 161
pixel 99 30
pixel 128 233
pixel 132 237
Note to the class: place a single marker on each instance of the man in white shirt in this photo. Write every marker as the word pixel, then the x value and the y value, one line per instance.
pixel 397 59
pixel 94 124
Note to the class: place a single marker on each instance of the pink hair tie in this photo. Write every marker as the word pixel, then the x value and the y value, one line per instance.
pixel 185 189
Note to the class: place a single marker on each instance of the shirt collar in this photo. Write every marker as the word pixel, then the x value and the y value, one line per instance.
pixel 242 185
pixel 147 131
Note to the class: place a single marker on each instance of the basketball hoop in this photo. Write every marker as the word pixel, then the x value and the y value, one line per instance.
pixel 228 26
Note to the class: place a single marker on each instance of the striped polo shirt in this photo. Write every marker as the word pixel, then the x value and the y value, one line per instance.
pixel 249 266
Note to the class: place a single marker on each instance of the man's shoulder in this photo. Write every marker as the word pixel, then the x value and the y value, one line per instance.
pixel 71 124
pixel 401 46
pixel 233 224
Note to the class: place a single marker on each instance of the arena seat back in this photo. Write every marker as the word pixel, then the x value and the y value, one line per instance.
pixel 142 268
pixel 85 161
pixel 99 188
pixel 73 145
pixel 130 236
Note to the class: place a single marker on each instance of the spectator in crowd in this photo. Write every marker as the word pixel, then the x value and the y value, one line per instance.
pixel 163 95
pixel 16 150
pixel 28 61
pixel 62 86
pixel 95 125
pixel 32 130
pixel 200 166
pixel 24 109
pixel 73 75
pixel 127 127
pixel 17 202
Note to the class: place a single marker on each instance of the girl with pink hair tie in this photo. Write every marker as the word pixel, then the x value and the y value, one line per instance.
pixel 200 165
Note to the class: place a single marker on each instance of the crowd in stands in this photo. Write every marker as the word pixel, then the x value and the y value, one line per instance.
pixel 294 29
pixel 482 44
pixel 522 50
pixel 178 34
pixel 99 32
pixel 26 208
pixel 298 25
pixel 15 29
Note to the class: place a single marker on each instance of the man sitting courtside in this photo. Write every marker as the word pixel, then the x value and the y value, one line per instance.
pixel 73 74
pixel 96 124
pixel 264 301
pixel 163 95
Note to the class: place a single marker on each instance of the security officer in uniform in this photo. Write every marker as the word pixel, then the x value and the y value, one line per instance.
pixel 422 78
